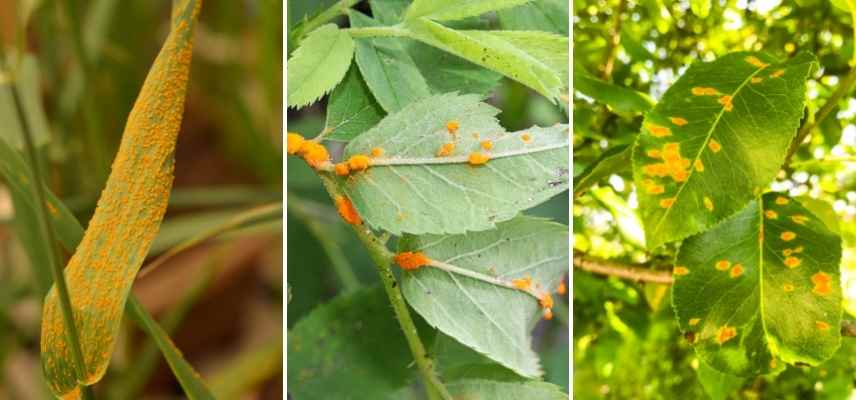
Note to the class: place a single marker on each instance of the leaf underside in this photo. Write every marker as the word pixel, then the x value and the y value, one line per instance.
pixel 493 320
pixel 761 289
pixel 715 140
pixel 453 196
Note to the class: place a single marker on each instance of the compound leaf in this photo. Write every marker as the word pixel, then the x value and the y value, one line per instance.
pixel 126 220
pixel 717 137
pixel 318 64
pixel 442 10
pixel 415 187
pixel 493 320
pixel 351 109
pixel 761 289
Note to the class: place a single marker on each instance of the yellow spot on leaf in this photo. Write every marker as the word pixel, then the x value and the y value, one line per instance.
pixel 777 74
pixel 377 152
pixel 359 162
pixel 659 131
pixel 723 265
pixel 781 200
pixel 770 214
pixel 678 121
pixel 821 281
pixel 788 236
pixel 756 62
pixel 655 189
pixel 708 203
pixel 477 158
pixel 823 326
pixel 736 271
pixel 725 333
pixel 342 169
pixel 653 153
pixel 522 283
pixel 679 270
pixel 726 102
pixel 445 149
pixel 714 146
pixel 486 144
pixel 452 126
pixel 666 203
pixel 526 138
pixel 757 79
pixel 699 166
pixel 694 321
pixel 799 219
pixel 704 91
pixel 788 288
pixel 792 262
pixel 787 252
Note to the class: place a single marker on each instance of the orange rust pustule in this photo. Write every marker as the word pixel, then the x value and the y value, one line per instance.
pixel 477 158
pixel 410 260
pixel 562 289
pixel 453 126
pixel 342 169
pixel 130 210
pixel 546 301
pixel 314 154
pixel 294 142
pixel 522 283
pixel 347 211
pixel 359 162
pixel 445 149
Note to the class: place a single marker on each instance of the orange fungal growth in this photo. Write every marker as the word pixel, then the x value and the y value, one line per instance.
pixel 777 74
pixel 756 62
pixel 446 149
pixel 548 314
pixel 410 260
pixel 699 166
pixel 787 252
pixel 725 100
pixel 799 249
pixel 315 154
pixel 666 203
pixel 347 211
pixel 799 219
pixel 770 214
pixel 486 144
pixel 694 321
pixel 757 79
pixel 678 121
pixel 736 271
pixel 653 153
pixel 376 152
pixel 526 137
pixel 562 289
pixel 673 165
pixel 708 203
pixel 781 200
pixel 51 208
pixel 359 162
pixel 477 158
pixel 792 262
pixel 452 126
pixel 788 236
pixel 714 146
pixel 704 91
pixel 546 301
pixel 294 142
pixel 680 270
pixel 723 265
pixel 659 131
pixel 788 287
pixel 823 326
pixel 725 333
pixel 522 283
pixel 655 189
pixel 821 281
pixel 342 169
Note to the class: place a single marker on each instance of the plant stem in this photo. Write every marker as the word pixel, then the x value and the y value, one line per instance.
pixel 378 31
pixel 614 41
pixel 53 255
pixel 636 273
pixel 382 257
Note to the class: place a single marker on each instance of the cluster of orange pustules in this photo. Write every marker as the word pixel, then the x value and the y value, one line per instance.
pixel 411 260
pixel 359 162
pixel 315 154
pixel 347 211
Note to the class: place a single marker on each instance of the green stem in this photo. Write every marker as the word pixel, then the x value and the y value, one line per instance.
pixel 382 257
pixel 53 256
pixel 377 31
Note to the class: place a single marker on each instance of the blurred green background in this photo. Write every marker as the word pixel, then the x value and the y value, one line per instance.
pixel 84 63
pixel 318 271
pixel 626 342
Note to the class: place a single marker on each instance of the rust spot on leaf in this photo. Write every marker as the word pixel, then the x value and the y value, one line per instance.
pixel 723 265
pixel 756 62
pixel 770 214
pixel 781 200
pixel 680 270
pixel 788 287
pixel 714 146
pixel 658 131
pixel 799 219
pixel 410 260
pixel 778 74
pixel 446 149
pixel 821 281
pixel 347 211
pixel 452 126
pixel 376 152
pixel 486 144
pixel 788 236
pixel 821 325
pixel 708 203
pixel 694 321
pixel 725 100
pixel 736 271
pixel 678 121
pixel 477 158
pixel 704 91
pixel 666 203
pixel 792 262
pixel 725 333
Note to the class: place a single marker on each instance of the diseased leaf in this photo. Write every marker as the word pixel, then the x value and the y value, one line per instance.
pixel 717 137
pixel 538 15
pixel 351 109
pixel 441 10
pixel 387 68
pixel 493 320
pixel 761 289
pixel 356 331
pixel 318 64
pixel 619 98
pixel 423 182
pixel 612 161
pixel 483 389
pixel 539 60
pixel 716 384
pixel 126 219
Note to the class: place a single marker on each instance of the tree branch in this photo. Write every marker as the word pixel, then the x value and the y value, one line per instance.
pixel 636 273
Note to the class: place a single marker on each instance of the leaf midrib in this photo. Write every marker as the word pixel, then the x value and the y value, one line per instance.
pixel 710 131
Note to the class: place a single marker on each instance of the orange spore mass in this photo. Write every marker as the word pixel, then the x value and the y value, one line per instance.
pixel 359 162
pixel 410 260
pixel 477 158
pixel 347 211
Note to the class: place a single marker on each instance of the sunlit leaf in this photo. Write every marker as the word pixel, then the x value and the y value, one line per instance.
pixel 537 15
pixel 619 98
pixel 415 187
pixel 126 220
pixel 716 384
pixel 493 320
pixel 701 8
pixel 318 64
pixel 613 161
pixel 441 10
pixel 715 140
pixel 761 289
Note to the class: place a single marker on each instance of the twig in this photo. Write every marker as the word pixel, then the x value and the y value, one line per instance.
pixel 636 273
pixel 614 40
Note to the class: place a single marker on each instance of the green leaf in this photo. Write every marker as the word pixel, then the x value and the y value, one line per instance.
pixel 493 320
pixel 761 289
pixel 351 109
pixel 717 137
pixel 187 377
pixel 618 98
pixel 387 68
pixel 412 189
pixel 318 64
pixel 539 15
pixel 701 8
pixel 350 345
pixel 613 161
pixel 823 211
pixel 539 60
pixel 716 384
pixel 443 10
pixel 27 81
pixel 126 220
pixel 482 389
